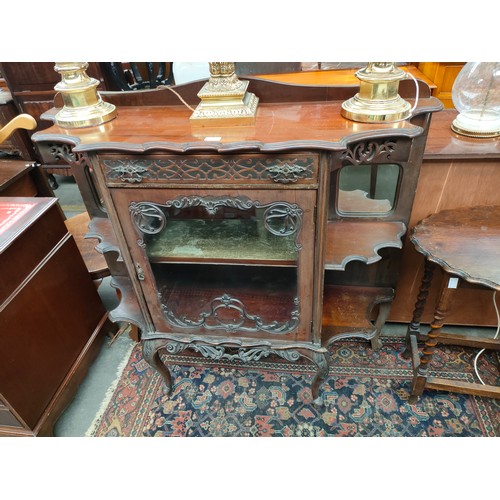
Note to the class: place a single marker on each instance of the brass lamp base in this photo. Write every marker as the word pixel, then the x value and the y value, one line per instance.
pixel 83 106
pixel 369 111
pixel 377 100
pixel 224 99
pixel 87 116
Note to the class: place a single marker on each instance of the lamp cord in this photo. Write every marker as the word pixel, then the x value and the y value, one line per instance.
pixel 177 94
pixel 416 92
pixel 495 336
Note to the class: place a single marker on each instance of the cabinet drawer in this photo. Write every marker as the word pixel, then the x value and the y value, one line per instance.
pixel 274 169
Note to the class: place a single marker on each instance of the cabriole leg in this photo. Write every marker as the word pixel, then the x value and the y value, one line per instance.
pixel 150 351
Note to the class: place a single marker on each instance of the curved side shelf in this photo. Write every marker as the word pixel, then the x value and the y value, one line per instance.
pixel 100 228
pixel 128 309
pixel 360 240
pixel 96 264
pixel 347 312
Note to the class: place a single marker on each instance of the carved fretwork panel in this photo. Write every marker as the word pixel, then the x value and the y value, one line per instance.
pixel 82 172
pixel 288 170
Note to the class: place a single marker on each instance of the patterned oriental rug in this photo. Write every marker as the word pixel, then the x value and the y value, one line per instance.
pixel 366 394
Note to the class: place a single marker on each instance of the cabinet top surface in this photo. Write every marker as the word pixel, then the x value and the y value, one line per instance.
pixel 443 143
pixel 278 126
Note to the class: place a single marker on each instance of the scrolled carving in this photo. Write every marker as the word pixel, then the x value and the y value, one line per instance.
pixel 211 204
pixel 60 151
pixel 366 152
pixel 218 352
pixel 280 218
pixel 241 321
pixel 147 217
pixel 283 219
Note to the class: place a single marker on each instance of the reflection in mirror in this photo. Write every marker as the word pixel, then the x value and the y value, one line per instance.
pixel 367 189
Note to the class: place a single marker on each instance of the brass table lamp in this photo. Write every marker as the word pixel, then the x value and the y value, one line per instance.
pixel 224 99
pixel 378 100
pixel 83 106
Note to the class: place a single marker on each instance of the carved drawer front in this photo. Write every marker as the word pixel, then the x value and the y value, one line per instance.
pixel 287 169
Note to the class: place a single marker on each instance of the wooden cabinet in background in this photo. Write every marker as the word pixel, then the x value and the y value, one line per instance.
pixel 443 75
pixel 52 320
pixel 457 171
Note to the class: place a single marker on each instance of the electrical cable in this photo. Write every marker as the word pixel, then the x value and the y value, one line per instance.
pixel 494 337
pixel 416 92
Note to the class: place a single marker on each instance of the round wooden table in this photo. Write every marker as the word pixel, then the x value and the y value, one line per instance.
pixel 465 243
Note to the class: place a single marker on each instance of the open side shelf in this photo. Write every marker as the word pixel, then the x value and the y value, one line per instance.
pixel 128 309
pixel 100 228
pixel 347 311
pixel 359 240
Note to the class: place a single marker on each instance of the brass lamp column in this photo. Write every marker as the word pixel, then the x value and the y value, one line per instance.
pixel 378 100
pixel 224 98
pixel 83 106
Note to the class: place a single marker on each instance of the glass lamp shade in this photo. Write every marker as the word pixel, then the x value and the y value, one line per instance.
pixel 476 96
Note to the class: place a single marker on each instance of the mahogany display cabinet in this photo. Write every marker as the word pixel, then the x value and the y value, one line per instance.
pixel 237 241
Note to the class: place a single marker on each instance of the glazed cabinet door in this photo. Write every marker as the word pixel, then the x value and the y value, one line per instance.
pixel 232 263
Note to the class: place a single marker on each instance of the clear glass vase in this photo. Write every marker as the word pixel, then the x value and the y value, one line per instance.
pixel 476 96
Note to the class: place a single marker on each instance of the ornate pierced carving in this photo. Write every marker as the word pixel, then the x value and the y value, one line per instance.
pixel 241 320
pixel 60 151
pixel 283 219
pixel 235 349
pixel 280 218
pixel 200 169
pixel 147 217
pixel 367 152
pixel 212 204
pixel 218 352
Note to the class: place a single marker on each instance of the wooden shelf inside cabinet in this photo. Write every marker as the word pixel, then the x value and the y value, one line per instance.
pixel 189 291
pixel 347 310
pixel 244 242
pixel 360 240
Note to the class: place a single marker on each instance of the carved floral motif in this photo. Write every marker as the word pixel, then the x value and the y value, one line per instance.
pixel 241 320
pixel 366 152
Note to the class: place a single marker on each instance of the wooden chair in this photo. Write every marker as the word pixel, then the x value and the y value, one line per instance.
pixel 137 76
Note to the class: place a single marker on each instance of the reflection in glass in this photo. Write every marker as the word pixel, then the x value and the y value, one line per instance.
pixel 223 264
pixel 368 188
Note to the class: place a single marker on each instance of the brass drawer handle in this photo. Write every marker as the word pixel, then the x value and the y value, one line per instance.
pixel 286 173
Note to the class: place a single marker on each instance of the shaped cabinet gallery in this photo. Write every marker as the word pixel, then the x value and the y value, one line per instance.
pixel 241 242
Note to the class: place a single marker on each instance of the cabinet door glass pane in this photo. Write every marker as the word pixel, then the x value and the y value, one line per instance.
pixel 223 263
